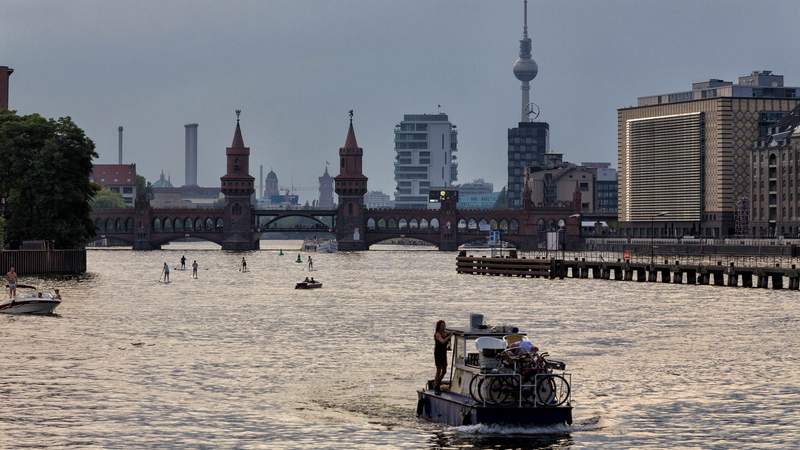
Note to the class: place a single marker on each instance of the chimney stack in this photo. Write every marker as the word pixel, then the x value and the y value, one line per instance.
pixel 191 154
pixel 5 74
pixel 119 131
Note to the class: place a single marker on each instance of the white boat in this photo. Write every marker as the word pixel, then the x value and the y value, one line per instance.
pixel 30 303
pixel 328 246
pixel 320 245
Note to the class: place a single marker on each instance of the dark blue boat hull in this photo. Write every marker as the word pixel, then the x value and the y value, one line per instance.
pixel 457 410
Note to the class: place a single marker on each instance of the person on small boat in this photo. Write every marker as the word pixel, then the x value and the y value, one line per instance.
pixel 183 262
pixel 58 295
pixel 166 273
pixel 312 280
pixel 11 278
pixel 306 280
pixel 441 338
pixel 194 269
pixel 244 264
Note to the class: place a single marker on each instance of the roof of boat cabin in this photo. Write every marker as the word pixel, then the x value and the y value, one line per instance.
pixel 473 332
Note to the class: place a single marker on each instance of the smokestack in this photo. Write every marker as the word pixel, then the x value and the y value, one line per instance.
pixel 5 74
pixel 260 181
pixel 119 132
pixel 191 155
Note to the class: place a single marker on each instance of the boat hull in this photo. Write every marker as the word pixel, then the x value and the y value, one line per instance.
pixel 457 410
pixel 29 307
pixel 308 285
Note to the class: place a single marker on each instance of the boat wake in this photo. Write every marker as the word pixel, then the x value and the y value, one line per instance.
pixel 590 424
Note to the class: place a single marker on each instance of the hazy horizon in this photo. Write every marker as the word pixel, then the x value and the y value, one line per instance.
pixel 295 67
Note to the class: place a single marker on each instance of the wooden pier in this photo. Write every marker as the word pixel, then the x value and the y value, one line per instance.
pixel 663 271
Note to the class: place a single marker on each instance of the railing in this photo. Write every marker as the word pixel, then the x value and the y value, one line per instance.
pixel 35 262
pixel 659 258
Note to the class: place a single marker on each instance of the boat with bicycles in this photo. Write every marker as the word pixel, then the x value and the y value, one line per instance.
pixel 497 376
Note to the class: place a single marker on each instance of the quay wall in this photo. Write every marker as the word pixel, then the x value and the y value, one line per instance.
pixel 44 262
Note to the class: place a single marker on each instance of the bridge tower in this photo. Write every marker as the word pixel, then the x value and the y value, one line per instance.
pixel 351 185
pixel 238 187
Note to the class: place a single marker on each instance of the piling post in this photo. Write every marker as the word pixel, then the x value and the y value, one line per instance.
pixel 691 277
pixel 777 280
pixel 665 275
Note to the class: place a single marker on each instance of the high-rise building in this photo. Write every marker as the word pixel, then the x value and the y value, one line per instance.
pixel 271 187
pixel 529 141
pixel 377 200
pixel 527 146
pixel 605 187
pixel 5 74
pixel 774 206
pixel 684 157
pixel 325 191
pixel 426 146
pixel 191 154
pixel 477 194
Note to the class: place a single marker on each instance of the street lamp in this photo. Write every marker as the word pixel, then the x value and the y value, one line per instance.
pixel 652 234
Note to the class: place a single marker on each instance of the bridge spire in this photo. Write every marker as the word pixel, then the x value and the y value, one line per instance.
pixel 238 141
pixel 351 185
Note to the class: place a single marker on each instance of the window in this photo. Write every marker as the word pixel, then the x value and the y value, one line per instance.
pixel 584 187
pixel 127 190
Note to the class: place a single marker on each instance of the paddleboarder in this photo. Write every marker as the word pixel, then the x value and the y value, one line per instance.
pixel 183 262
pixel 194 269
pixel 166 273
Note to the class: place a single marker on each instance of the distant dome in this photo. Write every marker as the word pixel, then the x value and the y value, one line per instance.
pixel 271 176
pixel 525 69
pixel 162 182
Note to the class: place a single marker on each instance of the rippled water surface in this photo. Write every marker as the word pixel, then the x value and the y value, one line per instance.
pixel 243 360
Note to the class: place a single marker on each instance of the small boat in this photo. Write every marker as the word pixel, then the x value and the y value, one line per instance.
pixel 308 285
pixel 30 303
pixel 497 376
pixel 320 245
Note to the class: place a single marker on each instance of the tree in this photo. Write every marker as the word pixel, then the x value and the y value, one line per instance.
pixel 2 232
pixel 502 200
pixel 44 175
pixel 105 199
pixel 141 184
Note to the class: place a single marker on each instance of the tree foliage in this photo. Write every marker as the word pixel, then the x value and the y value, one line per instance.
pixel 105 199
pixel 2 232
pixel 44 176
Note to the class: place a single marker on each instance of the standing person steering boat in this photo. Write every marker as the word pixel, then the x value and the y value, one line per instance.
pixel 441 338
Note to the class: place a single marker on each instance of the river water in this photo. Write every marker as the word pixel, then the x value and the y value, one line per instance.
pixel 242 360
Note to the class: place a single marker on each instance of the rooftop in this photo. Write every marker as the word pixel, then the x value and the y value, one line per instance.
pixel 758 84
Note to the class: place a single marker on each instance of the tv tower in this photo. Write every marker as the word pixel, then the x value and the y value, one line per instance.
pixel 525 68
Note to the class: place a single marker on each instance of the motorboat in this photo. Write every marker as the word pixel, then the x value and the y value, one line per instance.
pixel 328 246
pixel 497 376
pixel 320 245
pixel 30 302
pixel 308 285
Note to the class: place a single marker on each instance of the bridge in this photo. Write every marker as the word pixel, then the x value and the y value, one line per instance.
pixel 238 225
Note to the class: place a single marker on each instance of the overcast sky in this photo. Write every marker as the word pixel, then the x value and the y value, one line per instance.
pixel 295 67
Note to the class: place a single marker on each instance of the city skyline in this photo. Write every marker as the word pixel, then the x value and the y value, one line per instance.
pixel 196 63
